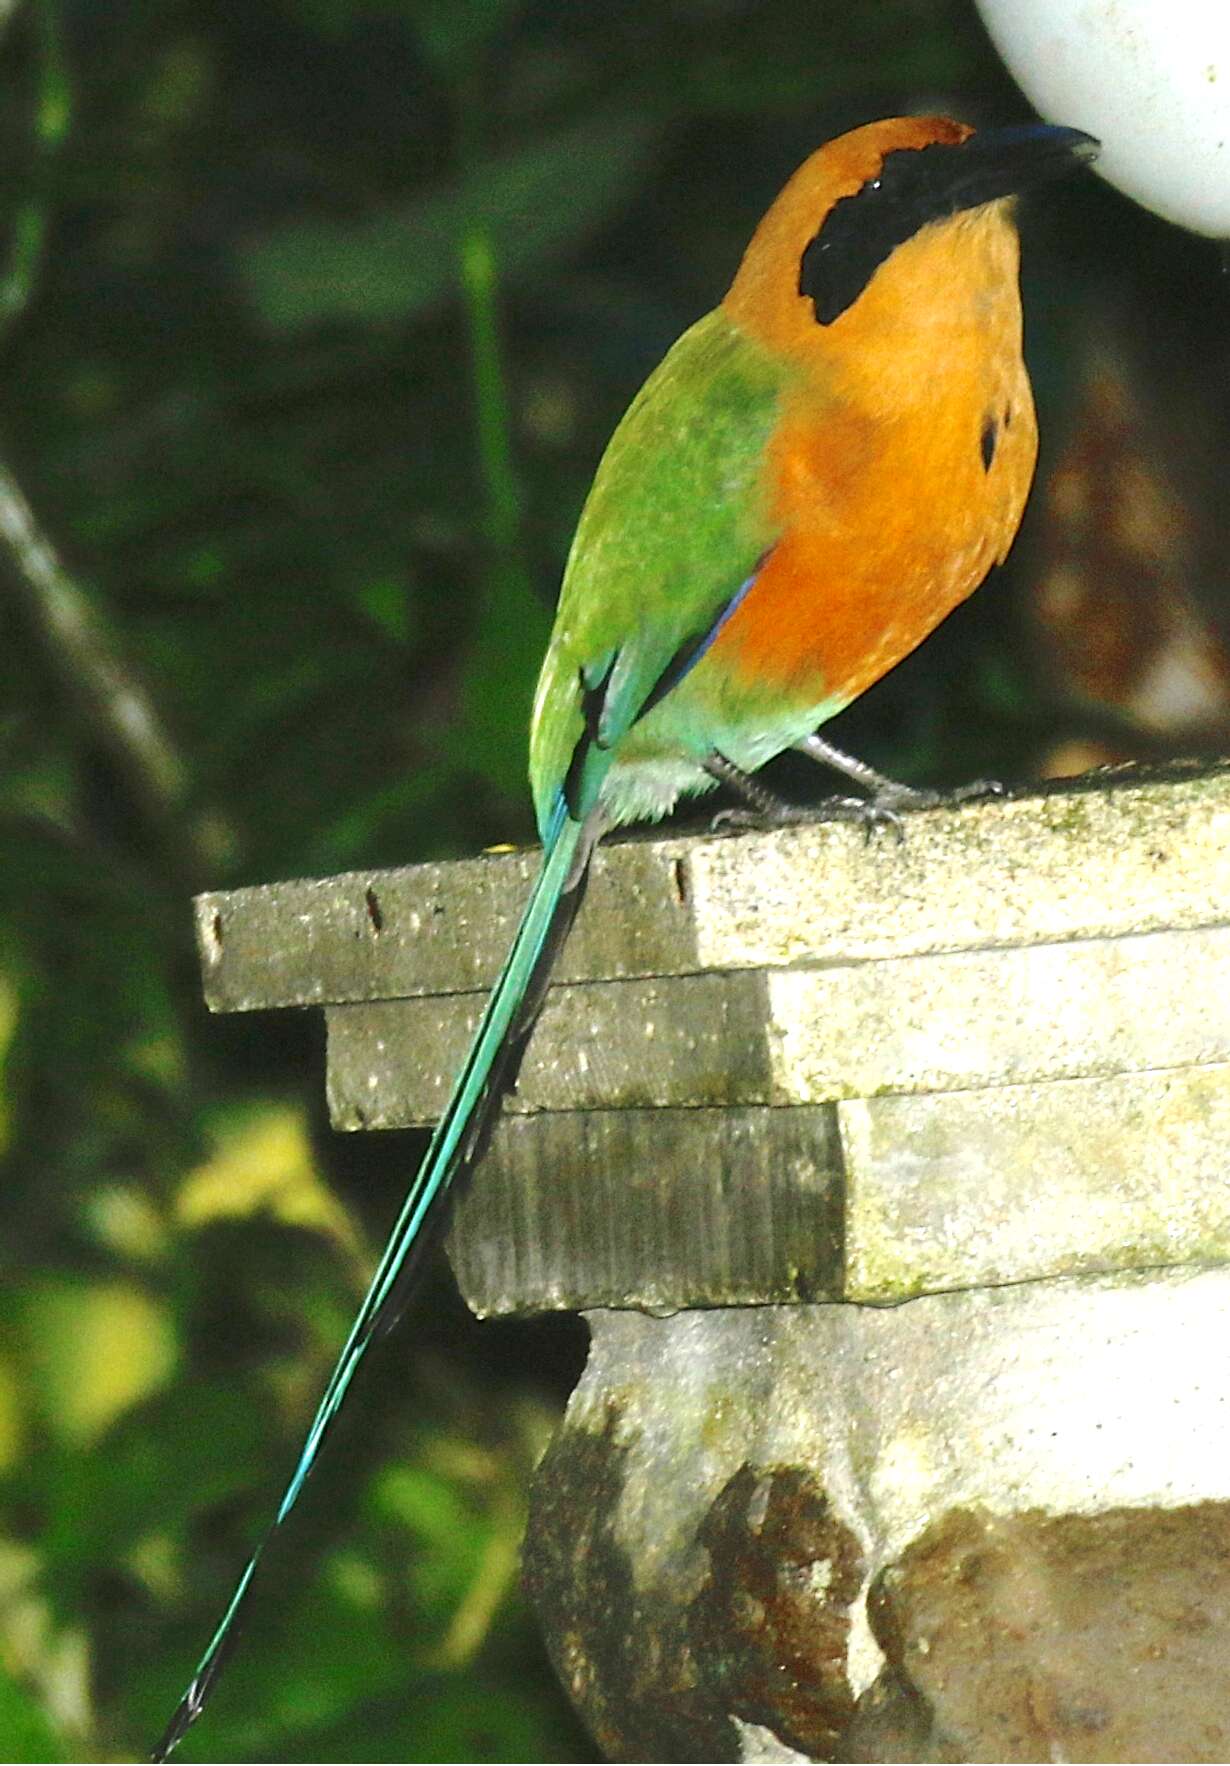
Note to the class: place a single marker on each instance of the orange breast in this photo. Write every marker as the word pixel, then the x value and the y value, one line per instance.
pixel 887 525
pixel 900 467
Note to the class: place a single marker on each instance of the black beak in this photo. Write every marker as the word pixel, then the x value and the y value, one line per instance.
pixel 995 163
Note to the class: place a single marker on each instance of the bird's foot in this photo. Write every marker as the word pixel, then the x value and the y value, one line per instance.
pixel 883 808
pixel 760 808
pixel 891 793
pixel 873 814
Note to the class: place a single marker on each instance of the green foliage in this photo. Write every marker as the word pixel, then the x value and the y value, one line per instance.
pixel 533 202
pixel 26 1732
pixel 314 318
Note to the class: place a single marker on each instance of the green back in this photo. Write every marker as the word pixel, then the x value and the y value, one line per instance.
pixel 675 522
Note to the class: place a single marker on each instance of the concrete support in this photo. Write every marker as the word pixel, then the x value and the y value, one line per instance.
pixel 894 1179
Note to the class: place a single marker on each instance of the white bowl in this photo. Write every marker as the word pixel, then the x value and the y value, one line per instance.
pixel 1149 78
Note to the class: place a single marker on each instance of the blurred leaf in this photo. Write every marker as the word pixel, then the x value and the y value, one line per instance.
pixel 182 1453
pixel 40 1663
pixel 494 1577
pixel 9 1001
pixel 534 201
pixel 94 1350
pixel 387 605
pixel 25 1731
pixel 12 1426
pixel 424 1502
pixel 452 31
pixel 125 1220
pixel 264 1162
pixel 466 1548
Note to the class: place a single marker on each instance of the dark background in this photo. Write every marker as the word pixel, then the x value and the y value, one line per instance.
pixel 310 478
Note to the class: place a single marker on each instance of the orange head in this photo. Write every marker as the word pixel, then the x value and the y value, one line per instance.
pixel 887 237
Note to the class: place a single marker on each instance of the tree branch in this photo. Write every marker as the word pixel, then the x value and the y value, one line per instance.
pixel 92 671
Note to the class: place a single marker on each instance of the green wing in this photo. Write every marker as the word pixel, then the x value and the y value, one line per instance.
pixel 675 523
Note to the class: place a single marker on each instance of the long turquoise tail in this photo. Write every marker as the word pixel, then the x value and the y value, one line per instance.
pixel 457 1143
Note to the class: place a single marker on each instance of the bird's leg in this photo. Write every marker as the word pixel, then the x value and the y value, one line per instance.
pixel 890 794
pixel 762 805
pixel 765 807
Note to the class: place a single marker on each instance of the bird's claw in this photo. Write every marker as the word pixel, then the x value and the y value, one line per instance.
pixel 738 817
pixel 978 788
pixel 886 809
pixel 761 816
pixel 874 814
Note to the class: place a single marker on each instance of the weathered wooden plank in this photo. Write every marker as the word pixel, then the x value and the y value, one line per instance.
pixel 659 1209
pixel 1100 858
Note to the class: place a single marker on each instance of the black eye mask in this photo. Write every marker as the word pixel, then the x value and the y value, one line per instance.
pixel 917 185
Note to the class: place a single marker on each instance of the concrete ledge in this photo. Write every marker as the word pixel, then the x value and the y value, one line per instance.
pixel 873 1200
pixel 801 1065
pixel 955 1021
pixel 972 1189
pixel 1099 857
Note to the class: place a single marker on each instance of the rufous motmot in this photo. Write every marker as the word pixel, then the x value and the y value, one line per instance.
pixel 816 474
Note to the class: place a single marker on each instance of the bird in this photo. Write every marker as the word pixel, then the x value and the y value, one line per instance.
pixel 814 476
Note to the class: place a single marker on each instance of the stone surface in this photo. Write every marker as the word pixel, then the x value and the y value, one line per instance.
pixel 1097 857
pixel 628 1045
pixel 436 928
pixel 983 1067
pixel 953 1021
pixel 961 1189
pixel 968 1527
pixel 973 1018
pixel 1009 1034
pixel 873 1199
pixel 1054 1637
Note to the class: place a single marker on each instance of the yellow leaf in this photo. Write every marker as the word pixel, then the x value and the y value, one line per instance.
pixel 125 1220
pixel 11 1429
pixel 8 1024
pixel 263 1161
pixel 93 1351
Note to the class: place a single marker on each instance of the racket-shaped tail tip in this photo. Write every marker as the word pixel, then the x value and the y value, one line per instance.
pixel 187 1711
